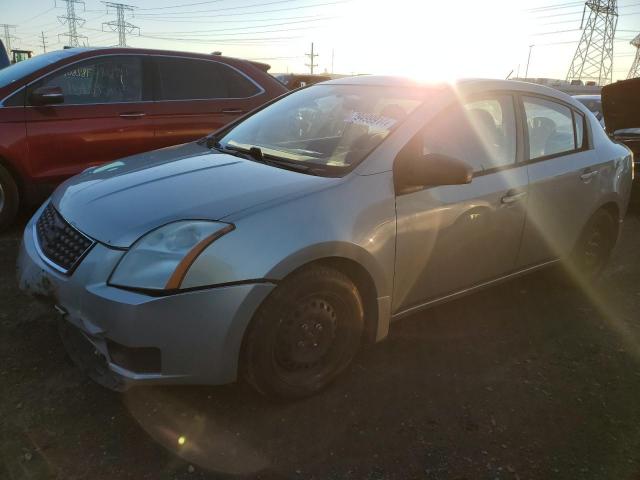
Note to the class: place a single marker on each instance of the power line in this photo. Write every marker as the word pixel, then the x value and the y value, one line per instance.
pixel 120 25
pixel 182 5
pixel 193 32
pixel 554 7
pixel 235 32
pixel 261 4
pixel 169 18
pixel 37 16
pixel 73 22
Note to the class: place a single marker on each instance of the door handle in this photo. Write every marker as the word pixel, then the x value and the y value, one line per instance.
pixel 586 176
pixel 513 196
pixel 133 115
pixel 232 110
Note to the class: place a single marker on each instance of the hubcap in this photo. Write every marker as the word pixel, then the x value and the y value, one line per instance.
pixel 306 337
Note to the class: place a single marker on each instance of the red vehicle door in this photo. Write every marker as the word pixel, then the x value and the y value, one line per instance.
pixel 103 117
pixel 198 96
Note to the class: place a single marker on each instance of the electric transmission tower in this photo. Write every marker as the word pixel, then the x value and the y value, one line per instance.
pixel 7 36
pixel 593 60
pixel 634 71
pixel 73 22
pixel 120 24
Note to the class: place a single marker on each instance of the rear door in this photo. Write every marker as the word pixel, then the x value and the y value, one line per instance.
pixel 197 96
pixel 565 177
pixel 103 117
pixel 450 238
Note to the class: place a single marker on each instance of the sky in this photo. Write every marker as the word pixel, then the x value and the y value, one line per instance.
pixel 425 39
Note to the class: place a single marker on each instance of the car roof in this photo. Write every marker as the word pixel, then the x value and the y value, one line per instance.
pixel 469 84
pixel 129 50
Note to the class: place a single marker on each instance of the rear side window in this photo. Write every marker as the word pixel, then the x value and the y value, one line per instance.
pixel 579 121
pixel 481 132
pixel 551 128
pixel 191 79
pixel 114 79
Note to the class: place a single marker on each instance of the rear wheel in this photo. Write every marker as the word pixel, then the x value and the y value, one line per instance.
pixel 304 335
pixel 593 250
pixel 8 198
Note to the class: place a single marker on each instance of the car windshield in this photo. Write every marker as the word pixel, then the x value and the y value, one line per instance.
pixel 325 125
pixel 27 67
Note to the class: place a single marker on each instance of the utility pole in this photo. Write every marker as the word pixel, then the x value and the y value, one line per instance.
pixel 312 57
pixel 593 60
pixel 120 24
pixel 634 71
pixel 44 43
pixel 526 72
pixel 73 22
pixel 333 57
pixel 7 35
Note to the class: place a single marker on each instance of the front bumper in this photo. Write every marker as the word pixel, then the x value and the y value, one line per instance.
pixel 198 334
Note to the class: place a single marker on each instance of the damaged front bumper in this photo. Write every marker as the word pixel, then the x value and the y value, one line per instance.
pixel 123 338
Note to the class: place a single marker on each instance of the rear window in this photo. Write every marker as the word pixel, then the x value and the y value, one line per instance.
pixel 192 79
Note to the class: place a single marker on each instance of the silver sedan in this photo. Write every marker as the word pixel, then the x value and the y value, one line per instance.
pixel 270 250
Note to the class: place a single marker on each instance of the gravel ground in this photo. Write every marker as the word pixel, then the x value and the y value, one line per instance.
pixel 528 380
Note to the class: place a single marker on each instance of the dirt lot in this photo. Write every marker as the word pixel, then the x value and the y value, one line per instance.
pixel 528 380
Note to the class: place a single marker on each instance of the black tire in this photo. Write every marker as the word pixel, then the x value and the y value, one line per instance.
pixel 593 249
pixel 304 335
pixel 9 198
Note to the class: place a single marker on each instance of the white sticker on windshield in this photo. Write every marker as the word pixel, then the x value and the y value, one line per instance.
pixel 371 120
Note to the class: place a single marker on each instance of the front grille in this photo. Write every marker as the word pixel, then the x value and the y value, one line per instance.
pixel 59 242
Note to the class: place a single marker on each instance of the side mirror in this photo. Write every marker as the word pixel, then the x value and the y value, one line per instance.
pixel 433 169
pixel 46 96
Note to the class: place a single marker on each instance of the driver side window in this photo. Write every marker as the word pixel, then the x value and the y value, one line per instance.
pixel 115 79
pixel 482 132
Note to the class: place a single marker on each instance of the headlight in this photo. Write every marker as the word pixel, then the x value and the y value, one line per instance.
pixel 161 258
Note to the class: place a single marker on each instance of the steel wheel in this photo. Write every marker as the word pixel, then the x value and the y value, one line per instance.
pixel 304 335
pixel 594 248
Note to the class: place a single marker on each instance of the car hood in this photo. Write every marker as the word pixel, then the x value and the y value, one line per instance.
pixel 621 105
pixel 119 202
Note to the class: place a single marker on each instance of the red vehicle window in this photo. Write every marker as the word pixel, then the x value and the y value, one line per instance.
pixel 114 79
pixel 191 79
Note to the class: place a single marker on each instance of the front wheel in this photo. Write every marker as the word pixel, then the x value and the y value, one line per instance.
pixel 305 334
pixel 593 250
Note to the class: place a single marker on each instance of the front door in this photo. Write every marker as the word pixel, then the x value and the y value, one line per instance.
pixel 103 117
pixel 450 238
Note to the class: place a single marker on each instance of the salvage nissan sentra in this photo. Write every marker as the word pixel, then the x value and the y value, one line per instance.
pixel 270 250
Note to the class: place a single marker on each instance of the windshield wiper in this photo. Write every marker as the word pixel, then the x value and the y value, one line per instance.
pixel 256 154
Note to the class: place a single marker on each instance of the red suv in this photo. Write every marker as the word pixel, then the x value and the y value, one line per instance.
pixel 64 111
